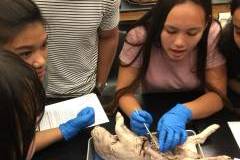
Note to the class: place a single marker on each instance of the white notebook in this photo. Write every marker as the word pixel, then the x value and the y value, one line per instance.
pixel 58 113
pixel 235 128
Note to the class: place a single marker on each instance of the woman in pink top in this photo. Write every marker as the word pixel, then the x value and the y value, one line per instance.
pixel 172 50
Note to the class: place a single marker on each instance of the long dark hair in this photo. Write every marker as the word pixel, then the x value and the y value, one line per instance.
pixel 22 101
pixel 228 46
pixel 153 22
pixel 235 4
pixel 15 15
pixel 230 50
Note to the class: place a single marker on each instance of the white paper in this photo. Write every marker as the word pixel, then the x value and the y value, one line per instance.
pixel 235 128
pixel 58 113
pixel 224 18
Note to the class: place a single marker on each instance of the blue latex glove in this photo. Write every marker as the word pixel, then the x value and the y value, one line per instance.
pixel 85 117
pixel 137 118
pixel 171 127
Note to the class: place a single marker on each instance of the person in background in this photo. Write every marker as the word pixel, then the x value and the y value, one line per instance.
pixel 83 37
pixel 22 100
pixel 171 51
pixel 22 32
pixel 229 45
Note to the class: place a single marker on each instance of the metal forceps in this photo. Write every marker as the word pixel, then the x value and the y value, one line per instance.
pixel 150 134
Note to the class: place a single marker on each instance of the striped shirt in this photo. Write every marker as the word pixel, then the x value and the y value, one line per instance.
pixel 73 27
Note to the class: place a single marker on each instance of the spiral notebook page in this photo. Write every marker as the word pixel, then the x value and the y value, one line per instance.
pixel 58 113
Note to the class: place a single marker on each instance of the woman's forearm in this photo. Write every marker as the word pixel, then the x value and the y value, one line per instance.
pixel 234 85
pixel 46 138
pixel 128 103
pixel 205 105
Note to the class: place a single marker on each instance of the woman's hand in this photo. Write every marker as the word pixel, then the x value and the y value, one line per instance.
pixel 137 120
pixel 85 117
pixel 171 127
